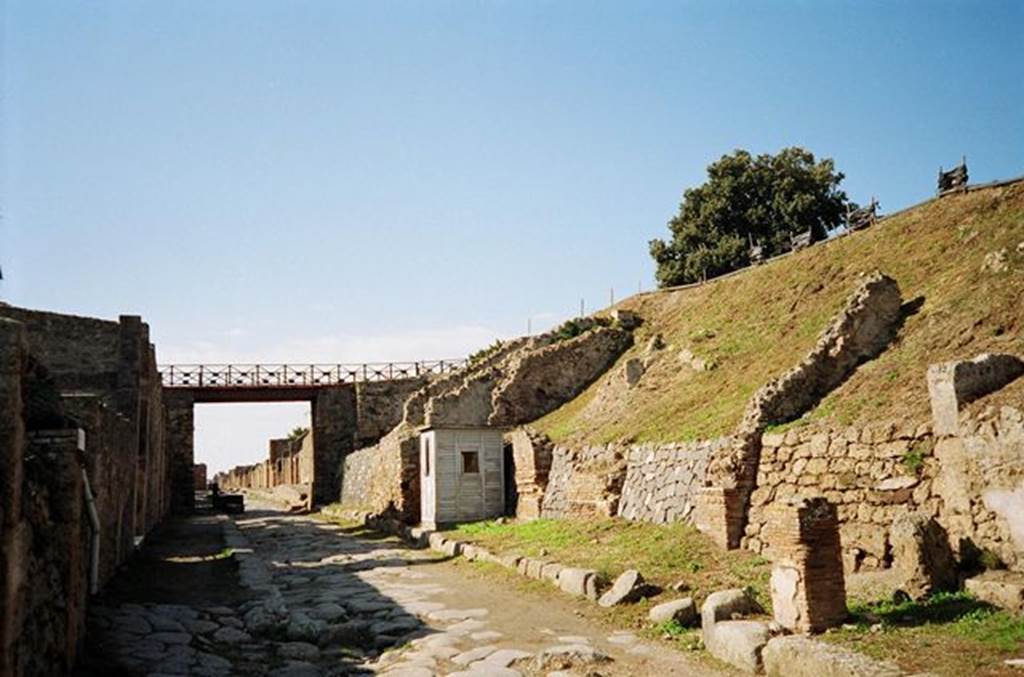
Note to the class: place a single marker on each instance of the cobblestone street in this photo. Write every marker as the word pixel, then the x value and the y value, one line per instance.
pixel 309 597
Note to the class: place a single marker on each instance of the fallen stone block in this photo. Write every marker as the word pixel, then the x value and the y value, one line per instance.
pixel 628 587
pixel 738 643
pixel 580 582
pixel 682 611
pixel 1004 589
pixel 799 656
pixel 534 568
pixel 721 605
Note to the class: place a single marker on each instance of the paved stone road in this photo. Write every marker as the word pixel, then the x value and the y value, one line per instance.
pixel 326 601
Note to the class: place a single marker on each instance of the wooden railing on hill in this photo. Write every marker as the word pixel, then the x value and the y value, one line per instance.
pixel 296 375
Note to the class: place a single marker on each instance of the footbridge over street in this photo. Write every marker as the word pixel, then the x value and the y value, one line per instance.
pixel 352 406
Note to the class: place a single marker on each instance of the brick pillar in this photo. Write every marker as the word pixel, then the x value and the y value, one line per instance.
pixel 807 585
pixel 720 513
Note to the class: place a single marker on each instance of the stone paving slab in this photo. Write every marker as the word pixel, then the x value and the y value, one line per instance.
pixel 330 603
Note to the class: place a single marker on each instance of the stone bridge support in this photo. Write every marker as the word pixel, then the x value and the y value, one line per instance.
pixel 180 421
pixel 334 429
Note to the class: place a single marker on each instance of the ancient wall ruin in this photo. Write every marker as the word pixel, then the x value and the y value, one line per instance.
pixel 662 481
pixel 584 482
pixel 521 379
pixel 81 406
pixel 380 406
pixel 871 475
pixel 385 478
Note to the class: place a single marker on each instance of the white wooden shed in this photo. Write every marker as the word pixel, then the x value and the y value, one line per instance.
pixel 461 475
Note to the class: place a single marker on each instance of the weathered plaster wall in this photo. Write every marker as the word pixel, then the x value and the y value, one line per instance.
pixel 981 481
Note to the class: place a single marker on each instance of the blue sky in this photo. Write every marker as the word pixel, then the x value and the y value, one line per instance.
pixel 349 181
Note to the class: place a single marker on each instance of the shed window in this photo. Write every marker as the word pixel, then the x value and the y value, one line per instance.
pixel 470 463
pixel 426 457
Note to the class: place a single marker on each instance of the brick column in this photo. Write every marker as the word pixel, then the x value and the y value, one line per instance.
pixel 720 513
pixel 807 585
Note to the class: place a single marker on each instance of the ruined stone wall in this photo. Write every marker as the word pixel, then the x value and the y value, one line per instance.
pixel 384 478
pixel 520 381
pixel 334 423
pixel 98 410
pixel 51 602
pixel 980 477
pixel 662 481
pixel 584 482
pixel 540 381
pixel 81 353
pixel 872 475
pixel 380 406
pixel 531 453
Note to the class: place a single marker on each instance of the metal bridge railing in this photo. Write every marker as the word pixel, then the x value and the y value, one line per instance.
pixel 296 375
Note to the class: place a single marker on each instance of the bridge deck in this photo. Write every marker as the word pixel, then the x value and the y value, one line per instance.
pixel 281 382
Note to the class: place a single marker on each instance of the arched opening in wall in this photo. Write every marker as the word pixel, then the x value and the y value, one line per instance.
pixel 263 447
pixel 511 491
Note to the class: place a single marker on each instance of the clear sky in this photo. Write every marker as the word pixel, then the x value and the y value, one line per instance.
pixel 349 181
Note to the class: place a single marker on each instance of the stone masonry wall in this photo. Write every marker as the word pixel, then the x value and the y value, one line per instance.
pixel 98 410
pixel 584 482
pixel 385 478
pixel 871 475
pixel 380 406
pixel 980 477
pixel 81 352
pixel 540 381
pixel 662 481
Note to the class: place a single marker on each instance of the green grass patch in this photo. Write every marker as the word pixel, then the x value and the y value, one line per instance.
pixel 758 324
pixel 948 633
pixel 664 554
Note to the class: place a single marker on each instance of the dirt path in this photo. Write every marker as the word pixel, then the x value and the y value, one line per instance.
pixel 314 598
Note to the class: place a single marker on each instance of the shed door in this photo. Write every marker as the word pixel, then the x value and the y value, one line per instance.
pixel 428 514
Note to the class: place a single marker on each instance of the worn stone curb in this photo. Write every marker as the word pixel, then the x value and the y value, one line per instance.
pixel 575 581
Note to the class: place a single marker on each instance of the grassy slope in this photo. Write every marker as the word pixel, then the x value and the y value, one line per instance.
pixel 760 323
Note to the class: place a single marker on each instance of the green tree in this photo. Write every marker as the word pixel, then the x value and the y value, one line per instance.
pixel 764 199
pixel 297 432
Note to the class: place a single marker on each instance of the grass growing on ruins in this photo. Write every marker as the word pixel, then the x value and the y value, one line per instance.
pixel 760 323
pixel 948 634
pixel 664 554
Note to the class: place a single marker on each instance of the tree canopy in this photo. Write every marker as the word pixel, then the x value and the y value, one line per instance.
pixel 748 200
